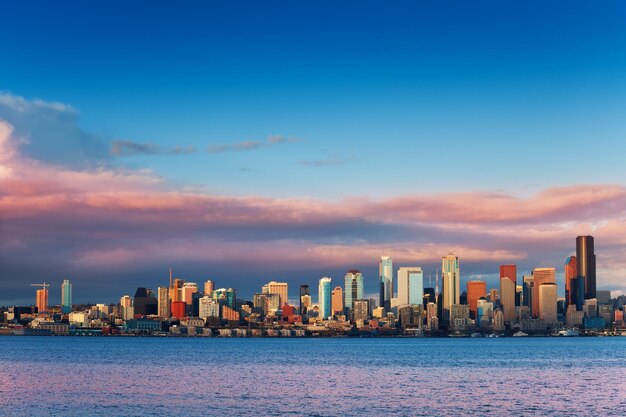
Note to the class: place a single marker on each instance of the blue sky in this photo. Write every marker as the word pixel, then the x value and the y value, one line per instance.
pixel 314 103
pixel 424 97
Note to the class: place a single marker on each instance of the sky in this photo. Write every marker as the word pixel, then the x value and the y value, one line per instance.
pixel 245 142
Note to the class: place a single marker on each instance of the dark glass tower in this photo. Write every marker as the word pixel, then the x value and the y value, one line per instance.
pixel 586 263
pixel 304 290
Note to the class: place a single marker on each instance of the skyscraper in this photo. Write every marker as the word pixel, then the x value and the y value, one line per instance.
pixel 324 297
pixel 145 303
pixel 475 291
pixel 163 300
pixel 570 274
pixel 451 280
pixel 509 271
pixel 208 287
pixel 541 276
pixel 507 298
pixel 586 262
pixel 42 300
pixel 410 286
pixel 304 291
pixel 527 291
pixel 280 288
pixel 385 274
pixel 126 305
pixel 66 296
pixel 189 288
pixel 353 284
pixel 337 300
pixel 547 302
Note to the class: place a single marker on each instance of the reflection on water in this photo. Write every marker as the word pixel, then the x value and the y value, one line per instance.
pixel 324 377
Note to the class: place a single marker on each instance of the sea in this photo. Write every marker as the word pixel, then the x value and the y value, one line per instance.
pixel 136 376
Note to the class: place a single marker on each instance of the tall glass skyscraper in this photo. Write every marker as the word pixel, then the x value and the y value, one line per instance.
pixel 66 296
pixel 385 273
pixel 451 281
pixel 353 288
pixel 324 297
pixel 410 286
pixel 586 260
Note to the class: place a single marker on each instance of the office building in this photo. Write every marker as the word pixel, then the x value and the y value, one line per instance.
pixel 509 271
pixel 570 274
pixel 179 309
pixel 304 290
pixel 507 298
pixel 280 288
pixel 475 291
pixel 586 262
pixel 484 311
pixel 163 301
pixel 208 307
pixel 353 284
pixel 385 274
pixel 541 276
pixel 361 310
pixel 188 290
pixel 66 296
pixel 324 297
pixel 145 303
pixel 208 287
pixel 451 280
pixel 547 302
pixel 41 300
pixel 337 301
pixel 410 286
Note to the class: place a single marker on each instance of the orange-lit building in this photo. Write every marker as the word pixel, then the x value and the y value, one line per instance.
pixel 176 290
pixel 178 309
pixel 475 290
pixel 229 314
pixel 571 272
pixel 337 300
pixel 509 271
pixel 541 276
pixel 42 300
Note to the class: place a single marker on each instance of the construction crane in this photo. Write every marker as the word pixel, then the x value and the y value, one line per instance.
pixel 43 286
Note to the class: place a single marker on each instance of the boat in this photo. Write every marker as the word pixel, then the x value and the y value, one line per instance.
pixel 520 334
pixel 476 334
pixel 569 333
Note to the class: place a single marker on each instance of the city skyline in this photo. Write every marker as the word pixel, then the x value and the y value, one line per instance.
pixel 256 146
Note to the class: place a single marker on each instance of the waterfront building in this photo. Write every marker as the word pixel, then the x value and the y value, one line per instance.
pixel 360 310
pixel 484 312
pixel 451 280
pixel 459 316
pixel 208 287
pixel 179 309
pixel 304 291
pixel 126 306
pixel 260 305
pixel 432 321
pixel 280 288
pixel 41 300
pixel 337 301
pixel 507 298
pixel 570 274
pixel 547 302
pixel 509 271
pixel 498 320
pixel 410 286
pixel 145 303
pixel 66 296
pixel 324 297
pixel 541 276
pixel 189 289
pixel 573 317
pixel 353 284
pixel 385 274
pixel 586 262
pixel 475 290
pixel 208 307
pixel 163 302
pixel 591 307
pixel 603 297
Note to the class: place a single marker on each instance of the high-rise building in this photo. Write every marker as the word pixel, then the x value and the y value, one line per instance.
pixel 226 296
pixel 188 290
pixel 42 300
pixel 509 271
pixel 337 300
pixel 145 303
pixel 541 276
pixel 280 288
pixel 547 302
pixel 304 290
pixel 324 297
pixel 126 305
pixel 527 291
pixel 66 296
pixel 410 286
pixel 208 307
pixel 260 305
pixel 176 289
pixel 208 287
pixel 586 262
pixel 163 301
pixel 353 284
pixel 475 291
pixel 571 272
pixel 507 298
pixel 484 312
pixel 179 309
pixel 361 310
pixel 385 274
pixel 451 280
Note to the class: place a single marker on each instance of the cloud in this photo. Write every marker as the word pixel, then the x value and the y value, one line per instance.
pixel 112 226
pixel 129 148
pixel 330 161
pixel 250 144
